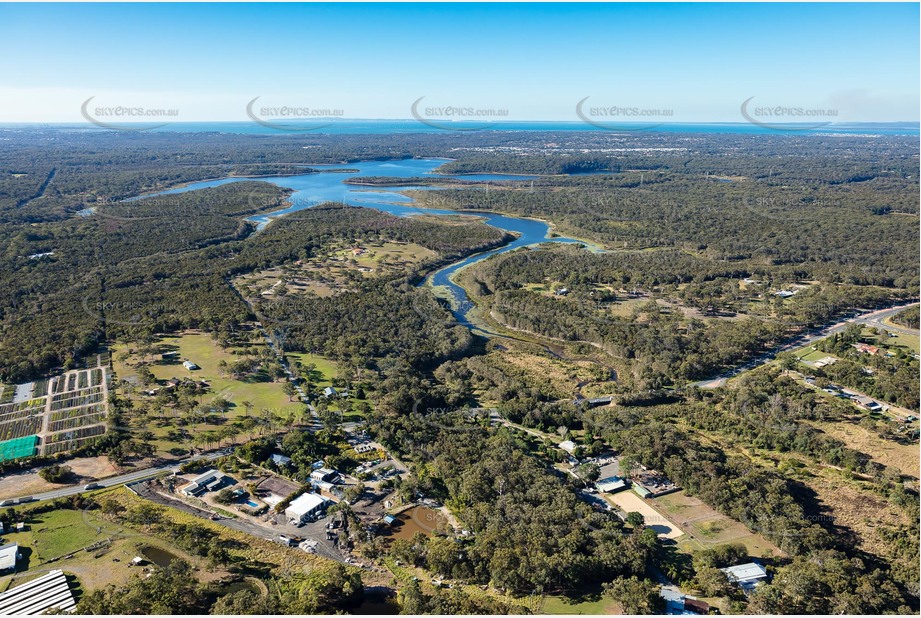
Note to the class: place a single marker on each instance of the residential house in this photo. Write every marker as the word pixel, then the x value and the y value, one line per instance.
pixel 274 489
pixel 747 576
pixel 696 606
pixel 212 480
pixel 867 403
pixel 611 485
pixel 281 460
pixel 324 475
pixel 568 445
pixel 864 348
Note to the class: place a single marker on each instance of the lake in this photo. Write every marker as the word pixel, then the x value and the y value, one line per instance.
pixel 328 186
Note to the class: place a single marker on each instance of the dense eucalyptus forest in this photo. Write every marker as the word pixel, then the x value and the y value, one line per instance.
pixel 697 235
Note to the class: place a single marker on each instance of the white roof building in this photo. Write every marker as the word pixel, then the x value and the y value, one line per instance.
pixel 746 575
pixel 323 474
pixel 280 460
pixel 38 596
pixel 611 484
pixel 205 482
pixel 568 445
pixel 304 506
pixel 9 554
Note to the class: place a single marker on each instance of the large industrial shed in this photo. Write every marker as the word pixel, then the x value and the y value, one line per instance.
pixel 38 596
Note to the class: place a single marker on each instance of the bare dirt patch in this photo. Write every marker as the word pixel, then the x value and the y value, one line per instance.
pixel 29 482
pixel 630 502
pixel 93 467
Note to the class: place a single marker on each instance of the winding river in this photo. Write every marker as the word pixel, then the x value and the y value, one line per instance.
pixel 312 189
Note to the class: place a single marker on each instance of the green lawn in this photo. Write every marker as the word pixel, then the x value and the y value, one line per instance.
pixel 199 348
pixel 325 368
pixel 595 603
pixel 57 533
pixel 813 356
pixel 64 532
pixel 909 342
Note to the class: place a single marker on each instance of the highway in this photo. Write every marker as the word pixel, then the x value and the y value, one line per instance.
pixel 873 319
pixel 113 481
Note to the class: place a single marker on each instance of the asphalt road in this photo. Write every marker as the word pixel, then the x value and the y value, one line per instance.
pixel 122 479
pixel 314 530
pixel 871 318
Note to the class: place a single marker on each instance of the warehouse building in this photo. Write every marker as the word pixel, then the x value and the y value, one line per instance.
pixel 50 591
pixel 305 508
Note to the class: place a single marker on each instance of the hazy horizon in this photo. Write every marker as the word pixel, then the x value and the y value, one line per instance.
pixel 687 63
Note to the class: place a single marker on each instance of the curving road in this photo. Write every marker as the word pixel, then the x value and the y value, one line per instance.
pixel 875 319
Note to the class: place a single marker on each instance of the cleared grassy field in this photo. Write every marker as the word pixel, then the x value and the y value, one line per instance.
pixel 595 604
pixel 814 355
pixel 911 343
pixel 199 348
pixel 324 372
pixel 325 368
pixel 706 527
pixel 329 273
pixel 65 532
pixel 889 453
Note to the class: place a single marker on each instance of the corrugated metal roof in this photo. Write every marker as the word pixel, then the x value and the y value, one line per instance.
pixel 305 504
pixel 204 477
pixel 745 572
pixel 38 596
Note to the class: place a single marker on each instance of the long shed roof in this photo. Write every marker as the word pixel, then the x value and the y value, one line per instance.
pixel 38 596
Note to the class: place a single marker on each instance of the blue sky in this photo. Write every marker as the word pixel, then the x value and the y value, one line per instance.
pixel 701 61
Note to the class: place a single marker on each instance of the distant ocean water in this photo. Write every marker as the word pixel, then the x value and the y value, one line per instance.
pixel 346 127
